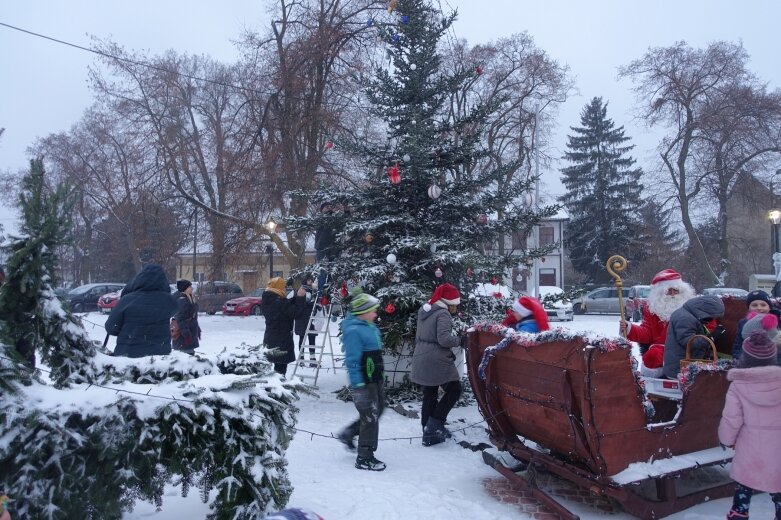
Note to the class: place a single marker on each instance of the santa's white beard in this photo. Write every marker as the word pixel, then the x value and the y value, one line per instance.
pixel 662 305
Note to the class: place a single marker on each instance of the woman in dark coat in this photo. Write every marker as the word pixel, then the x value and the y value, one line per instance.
pixel 187 319
pixel 141 319
pixel 280 313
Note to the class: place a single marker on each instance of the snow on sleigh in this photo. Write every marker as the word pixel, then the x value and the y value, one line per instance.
pixel 576 407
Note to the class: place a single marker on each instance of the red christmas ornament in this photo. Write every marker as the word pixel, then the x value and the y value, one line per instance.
pixel 343 290
pixel 469 271
pixel 494 280
pixel 323 301
pixel 329 144
pixel 369 238
pixel 394 174
pixel 390 309
pixel 479 70
pixel 498 294
pixel 482 219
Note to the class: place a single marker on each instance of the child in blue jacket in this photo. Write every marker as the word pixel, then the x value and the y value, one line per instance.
pixel 363 357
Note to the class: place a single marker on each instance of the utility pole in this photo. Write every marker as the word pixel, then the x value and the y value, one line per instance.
pixel 536 197
pixel 195 244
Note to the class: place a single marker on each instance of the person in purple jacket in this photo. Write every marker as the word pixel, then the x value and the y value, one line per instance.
pixel 751 419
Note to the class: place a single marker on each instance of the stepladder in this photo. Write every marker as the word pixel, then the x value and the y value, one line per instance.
pixel 316 348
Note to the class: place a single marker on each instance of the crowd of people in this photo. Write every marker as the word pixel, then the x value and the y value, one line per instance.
pixel 674 320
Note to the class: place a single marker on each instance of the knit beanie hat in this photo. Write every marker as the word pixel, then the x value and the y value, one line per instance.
pixel 277 286
pixel 759 294
pixel 447 293
pixel 183 284
pixel 755 321
pixel 294 514
pixel 361 303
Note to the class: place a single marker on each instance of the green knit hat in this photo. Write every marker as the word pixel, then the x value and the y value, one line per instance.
pixel 361 303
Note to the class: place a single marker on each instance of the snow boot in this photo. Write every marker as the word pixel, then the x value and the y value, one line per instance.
pixel 434 432
pixel 347 439
pixel 369 463
pixel 734 515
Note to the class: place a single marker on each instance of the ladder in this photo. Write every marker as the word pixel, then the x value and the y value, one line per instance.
pixel 321 326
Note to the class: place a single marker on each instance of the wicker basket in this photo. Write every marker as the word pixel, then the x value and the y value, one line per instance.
pixel 687 360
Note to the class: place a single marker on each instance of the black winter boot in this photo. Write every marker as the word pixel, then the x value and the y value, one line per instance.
pixel 434 432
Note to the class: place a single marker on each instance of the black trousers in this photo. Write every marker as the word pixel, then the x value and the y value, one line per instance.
pixel 742 500
pixel 439 408
pixel 280 368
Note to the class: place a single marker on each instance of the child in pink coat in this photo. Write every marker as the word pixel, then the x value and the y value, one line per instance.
pixel 751 420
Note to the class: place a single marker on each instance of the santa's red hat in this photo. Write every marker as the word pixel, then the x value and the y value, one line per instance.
pixel 528 306
pixel 667 275
pixel 447 293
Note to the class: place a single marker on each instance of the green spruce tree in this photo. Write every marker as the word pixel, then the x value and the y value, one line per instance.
pixel 33 319
pixel 602 193
pixel 430 209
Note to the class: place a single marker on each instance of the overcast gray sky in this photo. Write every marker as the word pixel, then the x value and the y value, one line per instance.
pixel 43 85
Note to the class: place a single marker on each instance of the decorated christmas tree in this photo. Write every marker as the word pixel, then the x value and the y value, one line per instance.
pixel 431 208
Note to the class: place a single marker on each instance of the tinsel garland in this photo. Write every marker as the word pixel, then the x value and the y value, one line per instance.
pixel 687 375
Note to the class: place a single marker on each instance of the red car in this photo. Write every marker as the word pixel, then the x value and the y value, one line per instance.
pixel 245 305
pixel 108 301
pixel 636 301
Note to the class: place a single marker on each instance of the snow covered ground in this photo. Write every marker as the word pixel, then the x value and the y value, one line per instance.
pixel 431 483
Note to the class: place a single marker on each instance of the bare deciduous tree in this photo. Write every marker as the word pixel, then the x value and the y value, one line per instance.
pixel 707 99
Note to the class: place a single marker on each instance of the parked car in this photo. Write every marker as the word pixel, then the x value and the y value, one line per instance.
pixel 244 306
pixel 725 291
pixel 600 301
pixel 211 295
pixel 555 305
pixel 108 301
pixel 636 301
pixel 85 297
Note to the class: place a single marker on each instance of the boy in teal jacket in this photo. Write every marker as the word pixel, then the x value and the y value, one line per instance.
pixel 363 357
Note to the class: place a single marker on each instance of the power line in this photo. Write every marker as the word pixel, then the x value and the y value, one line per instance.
pixel 132 61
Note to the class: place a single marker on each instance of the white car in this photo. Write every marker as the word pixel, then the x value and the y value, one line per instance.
pixel 559 309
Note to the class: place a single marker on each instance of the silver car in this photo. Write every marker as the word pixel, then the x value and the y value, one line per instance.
pixel 600 301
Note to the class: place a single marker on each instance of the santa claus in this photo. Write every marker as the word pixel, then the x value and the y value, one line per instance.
pixel 668 292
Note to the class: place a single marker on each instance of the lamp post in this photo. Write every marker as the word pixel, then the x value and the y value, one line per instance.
pixel 271 226
pixel 775 217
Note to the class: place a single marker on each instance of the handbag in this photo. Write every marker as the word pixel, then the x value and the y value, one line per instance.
pixel 687 360
pixel 175 332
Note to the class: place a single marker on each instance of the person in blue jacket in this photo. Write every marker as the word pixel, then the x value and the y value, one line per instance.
pixel 529 315
pixel 141 319
pixel 363 358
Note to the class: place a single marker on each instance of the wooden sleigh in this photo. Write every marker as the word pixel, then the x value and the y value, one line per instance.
pixel 576 407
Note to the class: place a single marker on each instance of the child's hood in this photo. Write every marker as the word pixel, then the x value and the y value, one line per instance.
pixel 762 384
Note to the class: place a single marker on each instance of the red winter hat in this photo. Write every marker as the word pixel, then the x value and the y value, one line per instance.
pixel 445 292
pixel 654 356
pixel 666 276
pixel 528 306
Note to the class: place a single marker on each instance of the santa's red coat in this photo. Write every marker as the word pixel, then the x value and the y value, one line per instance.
pixel 651 330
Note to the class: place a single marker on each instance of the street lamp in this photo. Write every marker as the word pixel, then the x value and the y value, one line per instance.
pixel 775 217
pixel 271 226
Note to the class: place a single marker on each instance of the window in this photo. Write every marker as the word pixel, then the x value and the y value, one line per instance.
pixel 547 276
pixel 519 240
pixel 546 235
